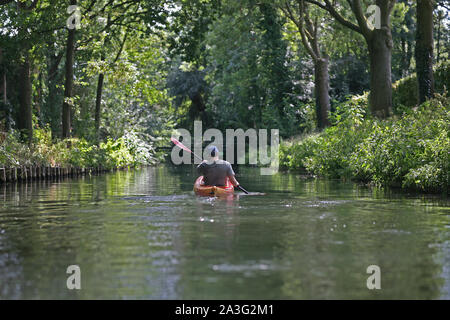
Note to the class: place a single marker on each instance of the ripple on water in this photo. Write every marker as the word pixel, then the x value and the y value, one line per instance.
pixel 170 198
pixel 393 231
pixel 247 269
pixel 324 203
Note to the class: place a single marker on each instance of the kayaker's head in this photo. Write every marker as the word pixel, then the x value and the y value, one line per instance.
pixel 213 153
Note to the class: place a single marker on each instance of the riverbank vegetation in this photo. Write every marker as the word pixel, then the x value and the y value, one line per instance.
pixel 81 87
pixel 103 83
pixel 128 150
pixel 409 151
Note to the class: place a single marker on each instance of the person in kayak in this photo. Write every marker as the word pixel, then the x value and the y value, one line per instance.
pixel 215 171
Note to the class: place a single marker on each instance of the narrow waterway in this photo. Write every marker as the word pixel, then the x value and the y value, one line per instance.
pixel 143 234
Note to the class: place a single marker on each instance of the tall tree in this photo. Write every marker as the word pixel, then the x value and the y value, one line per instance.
pixel 190 23
pixel 403 34
pixel 424 49
pixel 25 123
pixel 250 84
pixel 273 57
pixel 124 15
pixel 100 83
pixel 442 36
pixel 379 44
pixel 297 11
pixel 23 43
pixel 68 84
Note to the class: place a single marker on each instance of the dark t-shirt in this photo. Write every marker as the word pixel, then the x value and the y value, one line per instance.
pixel 215 173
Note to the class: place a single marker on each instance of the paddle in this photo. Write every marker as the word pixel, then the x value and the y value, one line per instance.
pixel 242 189
pixel 182 146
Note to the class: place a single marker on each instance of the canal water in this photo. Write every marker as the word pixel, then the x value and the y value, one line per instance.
pixel 143 234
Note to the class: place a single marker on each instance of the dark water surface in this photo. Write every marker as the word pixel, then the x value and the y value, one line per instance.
pixel 144 235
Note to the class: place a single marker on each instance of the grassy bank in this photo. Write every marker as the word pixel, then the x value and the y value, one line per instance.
pixel 127 151
pixel 410 150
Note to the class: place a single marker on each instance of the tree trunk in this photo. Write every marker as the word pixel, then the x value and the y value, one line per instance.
pixel 380 48
pixel 321 90
pixel 98 102
pixel 68 86
pixel 38 96
pixel 5 96
pixel 3 79
pixel 403 59
pixel 52 110
pixel 406 57
pixel 424 49
pixel 199 107
pixel 438 48
pixel 25 119
pixel 409 55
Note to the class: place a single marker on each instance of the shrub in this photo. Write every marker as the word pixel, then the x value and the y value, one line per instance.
pixel 405 91
pixel 411 152
pixel 129 150
pixel 294 155
pixel 401 152
pixel 329 153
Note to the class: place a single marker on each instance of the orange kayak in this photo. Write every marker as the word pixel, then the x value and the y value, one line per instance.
pixel 212 191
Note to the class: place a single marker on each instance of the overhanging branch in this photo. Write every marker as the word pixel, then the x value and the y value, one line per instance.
pixel 330 8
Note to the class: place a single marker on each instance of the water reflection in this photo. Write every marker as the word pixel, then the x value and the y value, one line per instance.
pixel 143 234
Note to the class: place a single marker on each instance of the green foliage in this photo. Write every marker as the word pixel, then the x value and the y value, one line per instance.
pixel 249 81
pixel 411 152
pixel 403 22
pixel 405 91
pixel 294 155
pixel 237 64
pixel 127 151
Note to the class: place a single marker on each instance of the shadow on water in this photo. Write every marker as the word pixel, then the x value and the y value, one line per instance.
pixel 144 234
